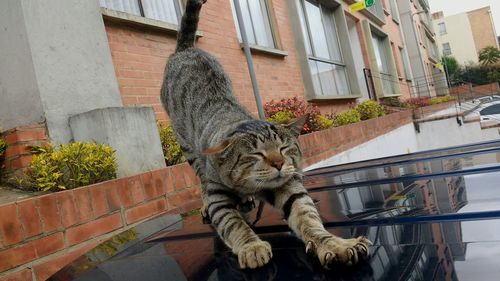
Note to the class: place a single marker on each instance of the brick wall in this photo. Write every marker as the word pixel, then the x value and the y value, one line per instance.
pixel 139 56
pixel 478 91
pixel 17 155
pixel 40 235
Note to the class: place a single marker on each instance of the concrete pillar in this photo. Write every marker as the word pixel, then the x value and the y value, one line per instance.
pixel 54 62
pixel 131 131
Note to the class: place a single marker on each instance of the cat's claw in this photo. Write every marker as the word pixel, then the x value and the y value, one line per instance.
pixel 255 254
pixel 338 250
pixel 310 248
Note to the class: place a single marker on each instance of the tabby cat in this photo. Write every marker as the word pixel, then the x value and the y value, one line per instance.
pixel 238 157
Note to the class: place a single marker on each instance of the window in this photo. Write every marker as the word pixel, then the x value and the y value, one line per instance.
pixel 442 28
pixel 394 10
pixel 164 10
pixel 322 46
pixel 380 49
pixel 446 49
pixel 406 63
pixel 398 65
pixel 431 47
pixel 377 9
pixel 256 20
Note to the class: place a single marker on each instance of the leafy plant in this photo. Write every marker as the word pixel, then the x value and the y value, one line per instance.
pixel 3 146
pixel 281 117
pixel 418 102
pixel 369 109
pixel 298 108
pixel 171 148
pixel 69 166
pixel 347 117
pixel 451 66
pixel 494 76
pixel 489 55
pixel 440 99
pixel 393 102
pixel 325 121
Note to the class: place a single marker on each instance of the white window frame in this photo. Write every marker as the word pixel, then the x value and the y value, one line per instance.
pixel 447 51
pixel 381 55
pixel 406 63
pixel 442 28
pixel 255 35
pixel 334 49
pixel 160 10
pixel 394 10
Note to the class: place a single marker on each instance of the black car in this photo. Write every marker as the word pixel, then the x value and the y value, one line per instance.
pixel 432 215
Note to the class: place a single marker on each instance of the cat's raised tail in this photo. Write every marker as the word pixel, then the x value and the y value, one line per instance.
pixel 189 25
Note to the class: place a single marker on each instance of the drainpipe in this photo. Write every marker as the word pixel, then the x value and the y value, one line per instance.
pixel 248 55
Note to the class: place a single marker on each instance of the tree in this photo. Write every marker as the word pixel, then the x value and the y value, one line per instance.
pixel 451 66
pixel 494 76
pixel 489 56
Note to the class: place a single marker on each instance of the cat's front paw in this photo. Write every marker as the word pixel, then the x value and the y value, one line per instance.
pixel 255 254
pixel 334 249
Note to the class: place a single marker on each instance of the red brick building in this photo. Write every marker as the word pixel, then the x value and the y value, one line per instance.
pixel 316 50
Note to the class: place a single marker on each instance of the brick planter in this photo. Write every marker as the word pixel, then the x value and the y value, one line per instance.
pixel 17 155
pixel 40 235
pixel 36 233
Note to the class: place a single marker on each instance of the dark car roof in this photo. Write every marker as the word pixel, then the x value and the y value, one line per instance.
pixel 432 215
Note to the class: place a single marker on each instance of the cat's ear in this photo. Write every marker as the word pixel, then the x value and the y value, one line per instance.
pixel 217 148
pixel 296 125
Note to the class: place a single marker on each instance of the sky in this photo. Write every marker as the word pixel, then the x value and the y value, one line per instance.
pixel 452 7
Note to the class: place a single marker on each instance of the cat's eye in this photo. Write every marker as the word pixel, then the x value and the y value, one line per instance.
pixel 283 148
pixel 258 154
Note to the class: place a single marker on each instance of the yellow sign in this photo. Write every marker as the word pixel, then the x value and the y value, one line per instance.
pixel 358 6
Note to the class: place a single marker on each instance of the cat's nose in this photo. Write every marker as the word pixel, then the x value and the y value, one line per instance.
pixel 278 164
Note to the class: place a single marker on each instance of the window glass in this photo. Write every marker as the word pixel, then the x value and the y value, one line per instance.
pixel 326 65
pixel 256 20
pixel 446 49
pixel 442 28
pixel 164 10
pixel 318 36
pixel 127 6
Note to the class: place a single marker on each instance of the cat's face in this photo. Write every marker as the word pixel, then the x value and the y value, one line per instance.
pixel 258 159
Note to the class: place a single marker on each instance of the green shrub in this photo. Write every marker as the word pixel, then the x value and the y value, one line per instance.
pixel 281 117
pixel 393 102
pixel 440 99
pixel 171 148
pixel 347 117
pixel 369 109
pixel 325 122
pixel 298 107
pixel 69 166
pixel 3 147
pixel 418 102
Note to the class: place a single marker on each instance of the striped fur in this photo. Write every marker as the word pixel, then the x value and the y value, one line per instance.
pixel 238 158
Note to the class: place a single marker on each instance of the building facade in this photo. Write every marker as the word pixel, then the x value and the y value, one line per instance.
pixel 418 30
pixel 464 35
pixel 316 50
pixel 113 54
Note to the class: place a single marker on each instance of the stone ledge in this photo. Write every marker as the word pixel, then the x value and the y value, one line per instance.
pixel 134 20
